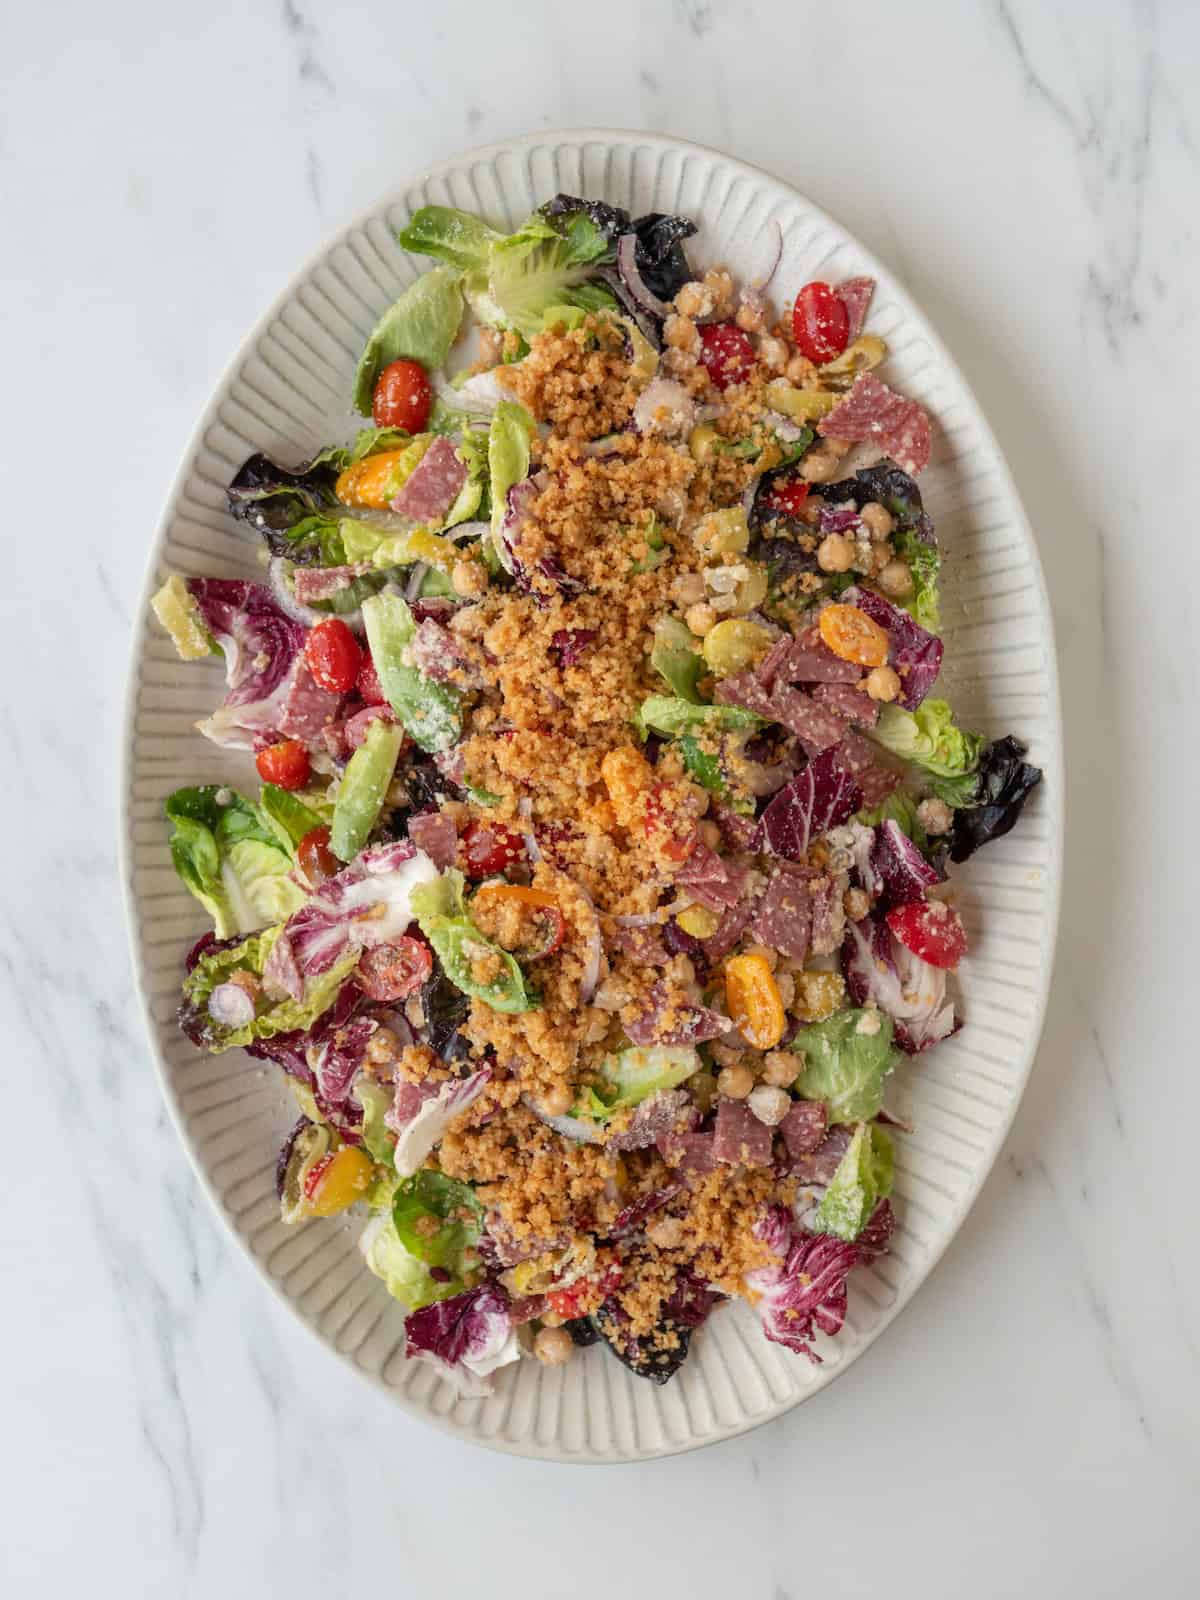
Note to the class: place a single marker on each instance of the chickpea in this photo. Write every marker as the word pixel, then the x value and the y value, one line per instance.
pixel 710 835
pixel 704 1089
pixel 799 370
pixel 688 589
pixel 735 1083
pixel 725 1055
pixel 935 816
pixel 835 553
pixel 856 903
pixel 680 333
pixel 720 284
pixel 883 683
pixel 781 1068
pixel 700 618
pixel 553 1347
pixel 695 300
pixel 750 317
pixel 383 1047
pixel 770 1104
pixel 878 519
pixel 896 579
pixel 823 461
pixel 557 1101
pixel 468 579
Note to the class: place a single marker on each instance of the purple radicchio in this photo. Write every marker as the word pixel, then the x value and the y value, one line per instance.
pixel 880 971
pixel 820 797
pixel 366 904
pixel 805 1292
pixel 466 1338
pixel 915 653
pixel 271 693
pixel 711 880
pixel 902 871
pixel 422 1112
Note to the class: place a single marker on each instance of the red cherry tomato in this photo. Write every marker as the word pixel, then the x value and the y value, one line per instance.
pixel 368 685
pixel 583 1296
pixel 490 847
pixel 820 324
pixel 315 859
pixel 394 971
pixel 403 397
pixel 726 353
pixel 672 832
pixel 787 496
pixel 930 929
pixel 285 764
pixel 334 655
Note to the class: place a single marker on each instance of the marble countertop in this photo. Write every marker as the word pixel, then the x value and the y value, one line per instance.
pixel 1032 1423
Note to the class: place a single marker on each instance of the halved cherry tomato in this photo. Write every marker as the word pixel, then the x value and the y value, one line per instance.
pixel 754 1001
pixel 396 970
pixel 787 496
pixel 582 1297
pixel 726 353
pixel 336 1181
pixel 334 655
pixel 490 847
pixel 670 830
pixel 315 859
pixel 851 634
pixel 932 930
pixel 820 323
pixel 403 397
pixel 368 684
pixel 285 764
pixel 547 920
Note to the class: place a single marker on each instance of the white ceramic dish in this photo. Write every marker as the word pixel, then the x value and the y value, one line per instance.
pixel 288 390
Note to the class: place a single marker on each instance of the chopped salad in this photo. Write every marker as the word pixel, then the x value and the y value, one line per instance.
pixel 596 884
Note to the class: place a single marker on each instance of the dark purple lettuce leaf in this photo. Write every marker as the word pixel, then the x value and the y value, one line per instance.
pixel 820 797
pixel 583 1331
pixel 610 221
pixel 914 653
pixel 784 558
pixel 660 256
pixel 285 1154
pixel 446 1009
pixel 658 1355
pixel 903 870
pixel 466 1337
pixel 1005 783
pixel 295 510
pixel 887 485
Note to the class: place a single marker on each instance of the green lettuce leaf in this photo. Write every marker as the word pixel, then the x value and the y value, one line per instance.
pixel 287 815
pixel 364 788
pixel 925 563
pixel 439 1221
pixel 378 1139
pixel 630 1076
pixel 284 1016
pixel 899 807
pixel 457 237
pixel 473 452
pixel 928 736
pixel 676 657
pixel 420 326
pixel 846 1059
pixel 862 1180
pixel 431 712
pixel 230 859
pixel 670 715
pixel 509 437
pixel 441 914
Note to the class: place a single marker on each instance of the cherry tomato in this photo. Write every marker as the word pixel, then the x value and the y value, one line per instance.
pixel 285 764
pixel 930 929
pixel 334 655
pixel 546 922
pixel 368 684
pixel 490 847
pixel 673 833
pixel 403 397
pixel 582 1297
pixel 820 323
pixel 396 970
pixel 315 859
pixel 787 496
pixel 315 1173
pixel 726 353
pixel 337 1180
pixel 754 1001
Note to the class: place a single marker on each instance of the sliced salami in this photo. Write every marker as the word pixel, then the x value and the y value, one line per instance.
pixel 803 1128
pixel 741 1139
pixel 306 708
pixel 322 583
pixel 434 485
pixel 437 836
pixel 782 916
pixel 874 414
pixel 712 880
pixel 851 704
pixel 823 1162
pixel 855 294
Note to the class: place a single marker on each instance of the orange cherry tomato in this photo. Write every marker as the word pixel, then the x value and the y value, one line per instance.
pixel 548 921
pixel 852 635
pixel 754 1001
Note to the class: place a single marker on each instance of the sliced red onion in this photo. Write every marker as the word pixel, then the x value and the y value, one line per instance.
pixel 783 427
pixel 230 1006
pixel 468 530
pixel 651 920
pixel 646 324
pixel 628 268
pixel 662 393
pixel 577 1129
pixel 525 811
pixel 415 579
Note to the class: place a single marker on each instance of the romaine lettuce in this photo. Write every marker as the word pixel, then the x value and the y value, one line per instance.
pixel 420 326
pixel 630 1076
pixel 287 815
pixel 862 1180
pixel 230 860
pixel 928 736
pixel 430 711
pixel 462 949
pixel 670 715
pixel 284 1016
pixel 676 657
pixel 846 1059
pixel 924 563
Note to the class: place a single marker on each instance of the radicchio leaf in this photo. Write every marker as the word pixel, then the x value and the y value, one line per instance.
pixel 879 970
pixel 820 797
pixel 466 1337
pixel 899 866
pixel 806 1291
pixel 422 1112
pixel 915 653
